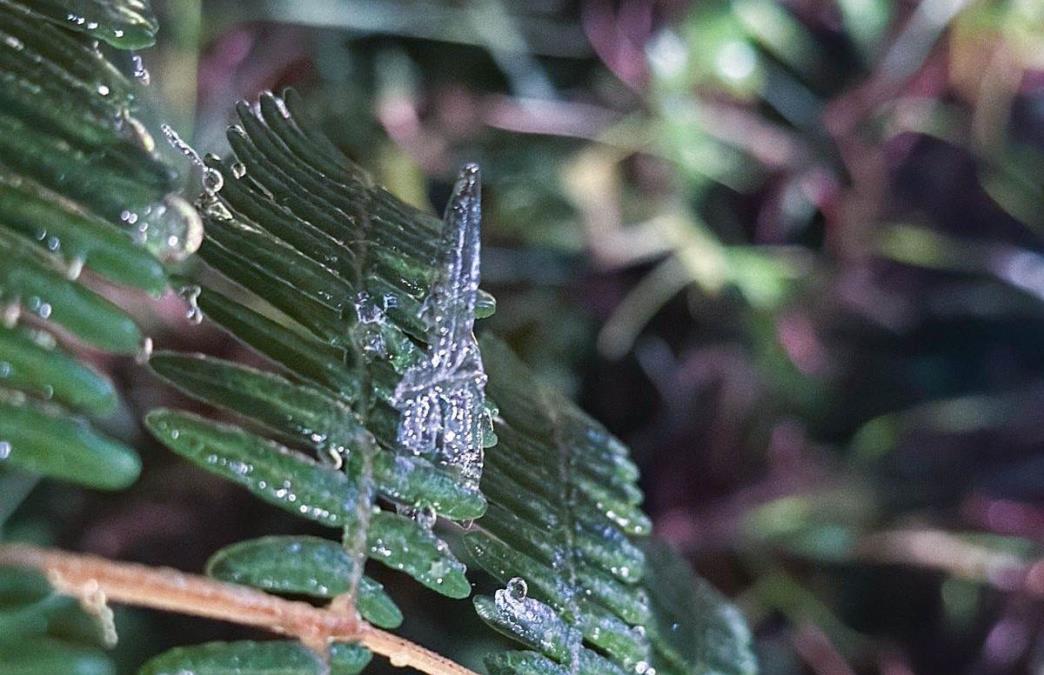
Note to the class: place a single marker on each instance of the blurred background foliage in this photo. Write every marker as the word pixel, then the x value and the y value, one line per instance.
pixel 791 251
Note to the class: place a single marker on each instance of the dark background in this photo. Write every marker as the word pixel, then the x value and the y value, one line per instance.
pixel 791 252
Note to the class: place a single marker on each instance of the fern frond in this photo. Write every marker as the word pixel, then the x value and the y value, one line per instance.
pixel 354 296
pixel 563 508
pixel 81 186
pixel 560 532
pixel 338 273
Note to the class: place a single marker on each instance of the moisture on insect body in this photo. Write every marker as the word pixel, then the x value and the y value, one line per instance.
pixel 441 398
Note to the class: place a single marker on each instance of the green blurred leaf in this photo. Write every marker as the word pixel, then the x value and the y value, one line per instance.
pixel 47 372
pixel 257 658
pixel 39 439
pixel 563 505
pixel 45 656
pixel 695 629
pixel 126 24
pixel 62 227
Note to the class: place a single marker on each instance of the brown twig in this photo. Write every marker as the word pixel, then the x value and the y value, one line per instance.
pixel 174 591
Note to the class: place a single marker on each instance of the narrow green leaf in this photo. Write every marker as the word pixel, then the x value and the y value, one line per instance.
pixel 301 411
pixel 304 565
pixel 695 629
pixel 275 657
pixel 66 229
pixel 61 50
pixel 300 353
pixel 416 482
pixel 124 24
pixel 536 626
pixel 275 265
pixel 348 659
pixel 46 656
pixel 560 529
pixel 26 601
pixel 272 472
pixel 402 544
pixel 512 663
pixel 94 180
pixel 36 439
pixel 46 292
pixel 505 563
pixel 531 622
pixel 316 418
pixel 298 484
pixel 28 365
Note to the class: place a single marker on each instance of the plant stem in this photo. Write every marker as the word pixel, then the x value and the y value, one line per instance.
pixel 163 588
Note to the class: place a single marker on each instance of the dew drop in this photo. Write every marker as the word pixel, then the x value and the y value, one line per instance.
pixel 75 269
pixel 11 313
pixel 190 294
pixel 145 352
pixel 5 450
pixel 140 72
pixel 371 320
pixel 517 588
pixel 426 517
pixel 238 169
pixel 180 145
pixel 213 181
pixel 171 230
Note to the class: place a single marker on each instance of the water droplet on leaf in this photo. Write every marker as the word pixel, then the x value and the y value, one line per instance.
pixel 517 588
pixel 191 295
pixel 72 273
pixel 171 230
pixel 140 72
pixel 145 352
